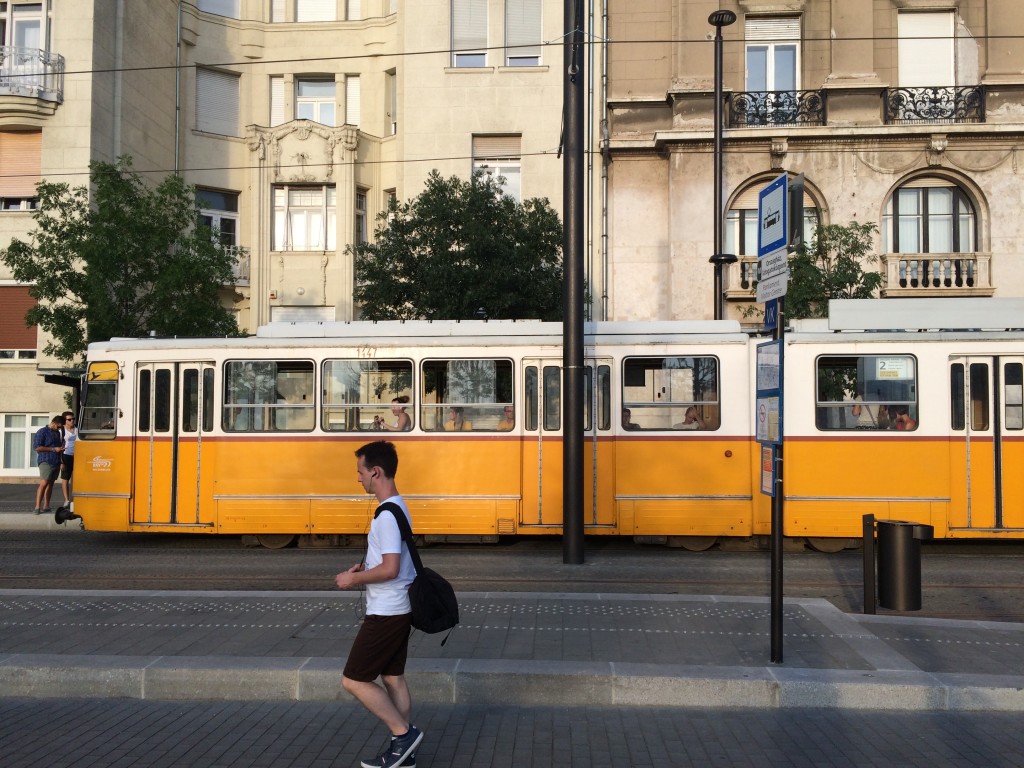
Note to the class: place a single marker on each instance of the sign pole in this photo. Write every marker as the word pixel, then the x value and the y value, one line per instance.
pixel 777 503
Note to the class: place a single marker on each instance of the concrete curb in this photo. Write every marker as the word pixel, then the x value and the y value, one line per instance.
pixel 527 683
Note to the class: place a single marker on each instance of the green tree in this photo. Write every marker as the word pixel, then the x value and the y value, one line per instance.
pixel 131 260
pixel 831 266
pixel 458 247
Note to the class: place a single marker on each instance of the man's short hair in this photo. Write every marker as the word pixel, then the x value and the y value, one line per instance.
pixel 58 419
pixel 380 454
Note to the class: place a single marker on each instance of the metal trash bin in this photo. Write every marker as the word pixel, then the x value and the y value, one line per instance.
pixel 899 563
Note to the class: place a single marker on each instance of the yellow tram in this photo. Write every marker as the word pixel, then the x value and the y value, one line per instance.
pixel 255 436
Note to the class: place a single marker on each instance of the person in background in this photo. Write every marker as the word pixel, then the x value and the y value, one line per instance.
pixel 508 421
pixel 403 419
pixel 456 422
pixel 627 420
pixel 903 420
pixel 67 458
pixel 381 646
pixel 691 420
pixel 48 446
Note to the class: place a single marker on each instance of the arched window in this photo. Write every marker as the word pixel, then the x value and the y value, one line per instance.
pixel 741 221
pixel 929 215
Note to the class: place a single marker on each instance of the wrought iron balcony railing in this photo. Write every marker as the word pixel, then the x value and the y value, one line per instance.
pixel 953 104
pixel 31 72
pixel 747 109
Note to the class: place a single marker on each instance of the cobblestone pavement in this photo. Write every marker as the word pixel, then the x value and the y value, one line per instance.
pixel 108 733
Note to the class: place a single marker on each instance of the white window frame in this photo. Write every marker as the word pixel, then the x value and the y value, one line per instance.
pixel 26 455
pixel 500 155
pixel 321 108
pixel 469 33
pixel 301 221
pixel 362 219
pixel 215 218
pixel 962 219
pixel 772 34
pixel 523 36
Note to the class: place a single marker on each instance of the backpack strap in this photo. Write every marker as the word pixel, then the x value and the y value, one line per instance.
pixel 406 531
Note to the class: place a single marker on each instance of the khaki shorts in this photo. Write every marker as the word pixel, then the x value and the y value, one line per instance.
pixel 48 471
pixel 380 648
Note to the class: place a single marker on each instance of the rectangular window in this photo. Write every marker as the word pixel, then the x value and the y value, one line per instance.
pixel 361 217
pixel 1013 396
pixel 277 101
pixel 957 405
pixel 500 156
pixel 670 393
pixel 21 161
pixel 926 55
pixel 465 395
pixel 217 102
pixel 522 33
pixel 552 398
pixel 353 100
pixel 305 218
pixel 268 396
pixel 530 388
pixel 979 397
pixel 227 8
pixel 391 83
pixel 99 402
pixel 773 53
pixel 604 397
pixel 314 100
pixel 15 336
pixel 359 395
pixel 316 10
pixel 354 10
pixel 866 392
pixel 219 211
pixel 18 431
pixel 469 33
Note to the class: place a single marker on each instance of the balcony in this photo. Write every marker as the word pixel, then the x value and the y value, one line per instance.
pixel 955 104
pixel 754 109
pixel 31 72
pixel 741 279
pixel 930 275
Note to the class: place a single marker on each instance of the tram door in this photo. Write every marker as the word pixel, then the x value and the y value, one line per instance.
pixel 987 428
pixel 174 411
pixel 543 444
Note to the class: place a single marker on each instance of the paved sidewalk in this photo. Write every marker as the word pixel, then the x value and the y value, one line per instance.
pixel 536 649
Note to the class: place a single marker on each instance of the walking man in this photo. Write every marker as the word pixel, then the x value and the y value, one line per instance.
pixel 48 446
pixel 382 643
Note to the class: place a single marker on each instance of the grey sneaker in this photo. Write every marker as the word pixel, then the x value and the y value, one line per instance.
pixel 397 750
pixel 37 511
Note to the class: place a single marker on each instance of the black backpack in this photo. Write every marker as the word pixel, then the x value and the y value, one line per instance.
pixel 434 606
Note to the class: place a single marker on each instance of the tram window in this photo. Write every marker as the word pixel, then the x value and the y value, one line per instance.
pixel 671 393
pixel 145 393
pixel 162 401
pixel 530 388
pixel 208 399
pixel 1013 396
pixel 552 397
pixel 604 397
pixel 866 392
pixel 465 395
pixel 190 398
pixel 99 402
pixel 358 394
pixel 979 396
pixel 957 405
pixel 268 396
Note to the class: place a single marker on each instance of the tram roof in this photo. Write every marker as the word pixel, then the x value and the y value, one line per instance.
pixel 953 314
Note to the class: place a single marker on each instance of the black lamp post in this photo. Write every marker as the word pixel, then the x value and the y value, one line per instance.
pixel 719 19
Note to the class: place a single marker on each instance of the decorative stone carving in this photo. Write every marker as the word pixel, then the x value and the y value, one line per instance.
pixel 302 150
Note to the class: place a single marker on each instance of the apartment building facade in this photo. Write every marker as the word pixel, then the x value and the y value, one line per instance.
pixel 297 120
pixel 908 114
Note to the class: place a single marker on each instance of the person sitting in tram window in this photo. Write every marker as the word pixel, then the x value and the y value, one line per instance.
pixel 691 420
pixel 456 422
pixel 903 420
pixel 509 419
pixel 627 420
pixel 404 420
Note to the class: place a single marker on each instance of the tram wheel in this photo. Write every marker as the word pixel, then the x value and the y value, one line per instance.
pixel 693 543
pixel 275 540
pixel 828 546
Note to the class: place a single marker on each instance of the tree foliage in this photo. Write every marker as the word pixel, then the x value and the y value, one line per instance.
pixel 132 260
pixel 459 247
pixel 831 266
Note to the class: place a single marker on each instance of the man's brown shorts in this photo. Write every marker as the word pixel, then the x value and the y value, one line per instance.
pixel 380 648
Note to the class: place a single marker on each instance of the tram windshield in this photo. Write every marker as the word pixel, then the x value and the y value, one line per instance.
pixel 98 420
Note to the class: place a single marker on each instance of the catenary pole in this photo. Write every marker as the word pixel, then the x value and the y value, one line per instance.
pixel 572 251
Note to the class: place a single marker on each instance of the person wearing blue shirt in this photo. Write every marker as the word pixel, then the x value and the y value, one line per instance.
pixel 48 445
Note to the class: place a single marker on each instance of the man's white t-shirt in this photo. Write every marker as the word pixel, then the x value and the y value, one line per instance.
pixel 389 598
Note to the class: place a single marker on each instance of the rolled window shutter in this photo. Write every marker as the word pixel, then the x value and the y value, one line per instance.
pixel 276 101
pixel 217 102
pixel 772 30
pixel 352 99
pixel 277 11
pixel 504 147
pixel 14 303
pixel 522 28
pixel 469 25
pixel 316 10
pixel 355 10
pixel 20 153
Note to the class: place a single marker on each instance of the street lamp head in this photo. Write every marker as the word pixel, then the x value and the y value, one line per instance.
pixel 722 18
